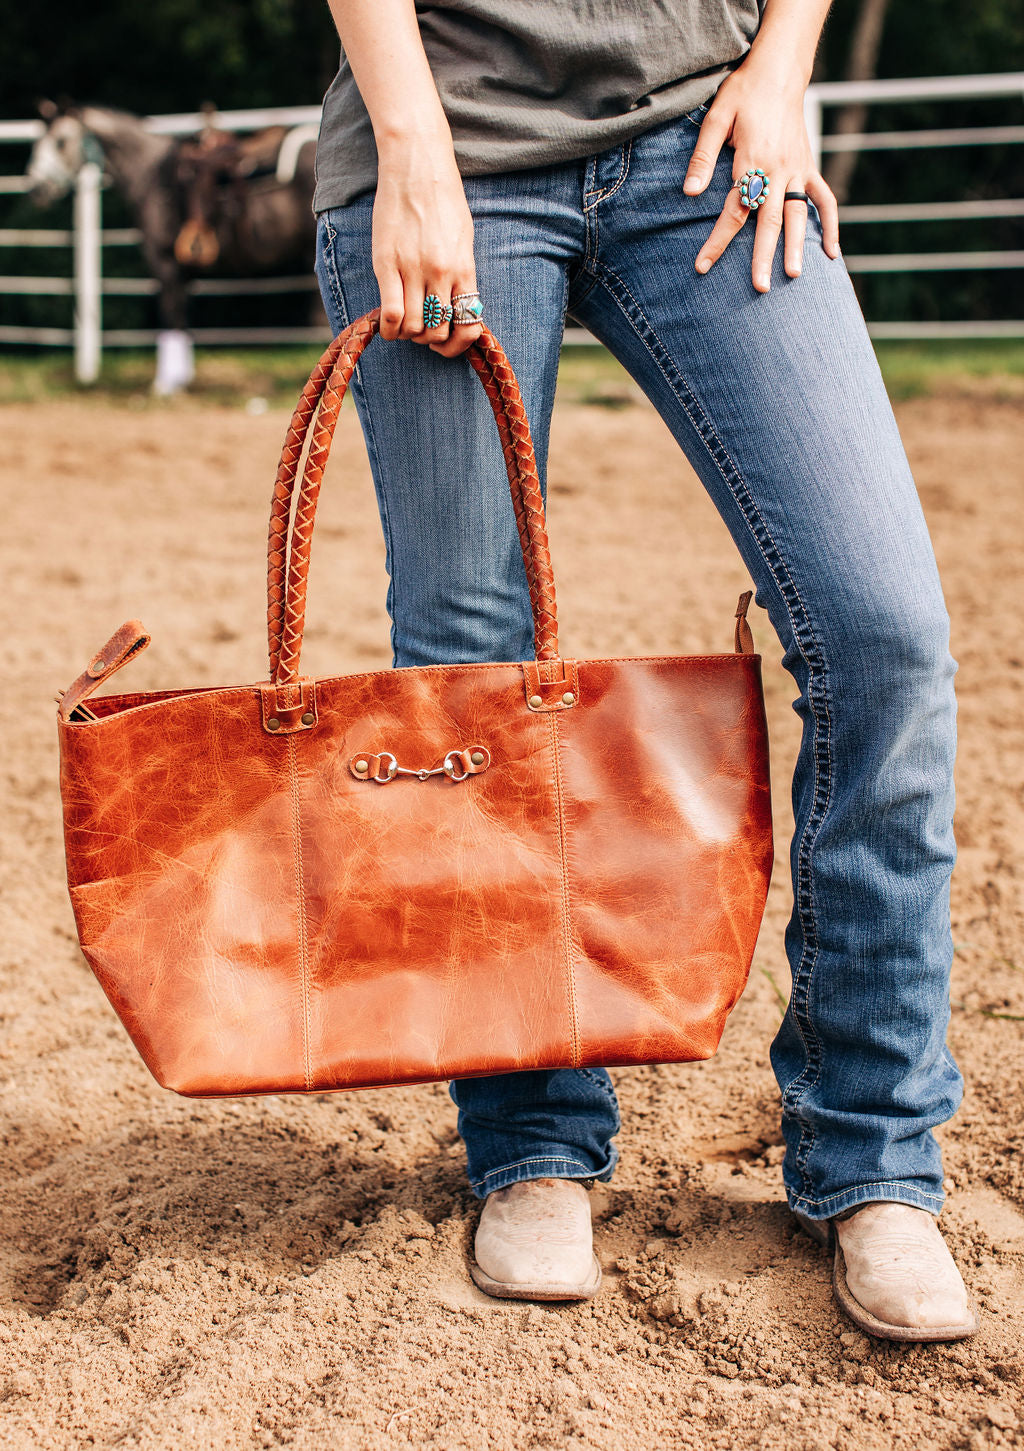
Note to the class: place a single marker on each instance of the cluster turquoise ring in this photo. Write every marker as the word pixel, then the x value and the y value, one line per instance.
pixel 435 312
pixel 753 188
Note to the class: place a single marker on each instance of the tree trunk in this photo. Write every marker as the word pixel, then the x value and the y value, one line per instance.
pixel 864 47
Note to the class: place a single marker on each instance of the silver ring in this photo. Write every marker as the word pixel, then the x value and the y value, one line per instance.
pixel 467 308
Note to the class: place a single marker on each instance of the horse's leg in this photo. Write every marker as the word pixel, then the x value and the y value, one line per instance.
pixel 175 363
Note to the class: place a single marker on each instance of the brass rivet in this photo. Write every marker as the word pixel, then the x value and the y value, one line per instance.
pixel 308 718
pixel 477 758
pixel 273 724
pixel 98 665
pixel 536 701
pixel 361 765
pixel 568 698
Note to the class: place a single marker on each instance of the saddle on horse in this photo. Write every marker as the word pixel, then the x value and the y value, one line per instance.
pixel 212 172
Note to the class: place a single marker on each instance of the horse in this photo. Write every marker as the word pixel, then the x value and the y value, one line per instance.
pixel 247 213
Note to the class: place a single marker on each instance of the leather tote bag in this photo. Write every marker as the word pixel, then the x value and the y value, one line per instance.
pixel 425 873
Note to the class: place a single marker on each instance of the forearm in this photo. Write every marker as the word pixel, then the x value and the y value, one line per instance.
pixel 422 226
pixel 787 39
pixel 381 39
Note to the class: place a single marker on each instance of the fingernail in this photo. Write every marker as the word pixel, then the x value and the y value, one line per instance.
pixel 693 183
pixel 703 263
pixel 764 281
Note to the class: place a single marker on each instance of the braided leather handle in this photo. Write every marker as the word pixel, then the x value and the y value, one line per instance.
pixel 288 552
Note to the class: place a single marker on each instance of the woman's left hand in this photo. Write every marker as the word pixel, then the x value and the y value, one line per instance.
pixel 760 115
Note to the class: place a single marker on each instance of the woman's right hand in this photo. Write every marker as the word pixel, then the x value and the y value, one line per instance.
pixel 422 241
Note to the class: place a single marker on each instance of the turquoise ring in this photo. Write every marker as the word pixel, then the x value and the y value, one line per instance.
pixel 753 188
pixel 469 308
pixel 435 312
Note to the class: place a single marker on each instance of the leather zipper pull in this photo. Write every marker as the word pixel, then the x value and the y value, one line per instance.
pixel 124 644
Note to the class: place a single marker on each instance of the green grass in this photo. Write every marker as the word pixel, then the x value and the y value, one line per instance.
pixel 993 367
pixel 233 377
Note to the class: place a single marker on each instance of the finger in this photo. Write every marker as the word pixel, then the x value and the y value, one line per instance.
pixel 729 222
pixel 794 219
pixel 713 132
pixel 766 241
pixel 440 293
pixel 461 338
pixel 820 194
pixel 460 335
pixel 392 304
pixel 414 291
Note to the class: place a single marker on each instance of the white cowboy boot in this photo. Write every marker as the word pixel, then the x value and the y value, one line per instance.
pixel 534 1242
pixel 894 1276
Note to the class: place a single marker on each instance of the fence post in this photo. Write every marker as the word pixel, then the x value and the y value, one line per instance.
pixel 87 260
pixel 813 121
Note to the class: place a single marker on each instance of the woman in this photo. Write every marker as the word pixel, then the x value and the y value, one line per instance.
pixel 601 158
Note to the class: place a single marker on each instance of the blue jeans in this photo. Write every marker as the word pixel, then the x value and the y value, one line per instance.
pixel 777 401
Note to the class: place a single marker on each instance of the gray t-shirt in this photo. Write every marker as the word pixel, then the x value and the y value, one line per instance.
pixel 535 82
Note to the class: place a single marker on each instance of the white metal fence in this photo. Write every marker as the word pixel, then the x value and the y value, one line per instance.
pixel 87 239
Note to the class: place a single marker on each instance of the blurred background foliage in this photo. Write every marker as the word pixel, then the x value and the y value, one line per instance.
pixel 173 55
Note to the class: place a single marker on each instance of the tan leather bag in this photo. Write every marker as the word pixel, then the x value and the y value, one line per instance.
pixel 422 873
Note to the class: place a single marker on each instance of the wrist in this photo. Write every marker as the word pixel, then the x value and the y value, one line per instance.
pixel 403 136
pixel 778 64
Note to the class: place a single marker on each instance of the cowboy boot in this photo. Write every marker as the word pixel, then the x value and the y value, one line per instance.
pixel 893 1274
pixel 534 1242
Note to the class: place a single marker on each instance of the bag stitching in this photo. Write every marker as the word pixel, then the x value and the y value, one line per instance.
pixel 817 695
pixel 730 659
pixel 300 888
pixel 564 874
pixel 212 692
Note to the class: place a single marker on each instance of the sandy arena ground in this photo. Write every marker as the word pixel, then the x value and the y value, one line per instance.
pixel 283 1271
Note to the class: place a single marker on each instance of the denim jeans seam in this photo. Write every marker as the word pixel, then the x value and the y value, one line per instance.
pixel 596 1078
pixel 534 1159
pixel 817 699
pixel 330 265
pixel 561 340
pixel 370 437
pixel 592 199
pixel 803 1199
pixel 591 208
pixel 592 220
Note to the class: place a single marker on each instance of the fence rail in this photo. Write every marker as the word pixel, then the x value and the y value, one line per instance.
pixel 87 239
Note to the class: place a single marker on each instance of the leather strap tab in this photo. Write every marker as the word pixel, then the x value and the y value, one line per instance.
pixel 285 709
pixel 551 684
pixel 744 640
pixel 124 644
